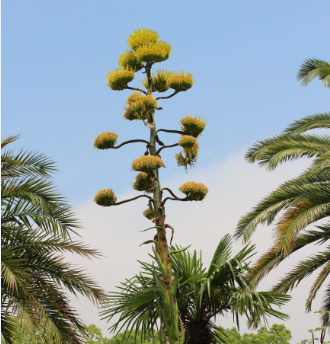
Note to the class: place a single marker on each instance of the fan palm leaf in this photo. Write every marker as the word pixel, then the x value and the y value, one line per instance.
pixel 202 294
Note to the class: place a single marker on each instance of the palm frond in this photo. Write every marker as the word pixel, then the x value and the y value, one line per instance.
pixel 325 319
pixel 287 147
pixel 36 229
pixel 316 121
pixel 317 285
pixel 312 68
pixel 258 305
pixel 298 217
pixel 8 140
pixel 306 188
pixel 274 256
pixel 302 270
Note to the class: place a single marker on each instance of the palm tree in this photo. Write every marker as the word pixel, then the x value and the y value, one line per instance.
pixel 202 294
pixel 312 68
pixel 297 203
pixel 35 233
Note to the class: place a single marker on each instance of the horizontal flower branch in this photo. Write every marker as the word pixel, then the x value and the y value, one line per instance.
pixel 170 191
pixel 160 149
pixel 176 199
pixel 132 199
pixel 170 96
pixel 135 89
pixel 171 131
pixel 130 141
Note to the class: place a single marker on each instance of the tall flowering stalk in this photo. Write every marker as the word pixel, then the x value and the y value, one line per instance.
pixel 146 50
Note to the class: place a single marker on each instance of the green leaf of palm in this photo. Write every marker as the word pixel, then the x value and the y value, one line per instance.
pixel 314 68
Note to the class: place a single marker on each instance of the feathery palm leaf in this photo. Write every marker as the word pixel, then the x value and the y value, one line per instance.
pixel 312 68
pixel 35 233
pixel 316 121
pixel 287 147
pixel 299 202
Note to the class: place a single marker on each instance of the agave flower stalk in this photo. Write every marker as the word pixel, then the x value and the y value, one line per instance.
pixel 146 50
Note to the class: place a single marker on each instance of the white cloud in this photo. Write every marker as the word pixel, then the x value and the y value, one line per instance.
pixel 234 188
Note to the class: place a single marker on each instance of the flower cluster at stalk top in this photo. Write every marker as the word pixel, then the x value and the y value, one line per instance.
pixel 194 191
pixel 147 49
pixel 105 198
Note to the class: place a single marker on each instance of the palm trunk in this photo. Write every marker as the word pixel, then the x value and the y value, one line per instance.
pixel 199 332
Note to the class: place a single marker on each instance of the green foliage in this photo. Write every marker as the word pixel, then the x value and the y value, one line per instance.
pixel 94 336
pixel 134 338
pixel 201 293
pixel 297 203
pixel 314 68
pixel 36 229
pixel 277 334
pixel 322 331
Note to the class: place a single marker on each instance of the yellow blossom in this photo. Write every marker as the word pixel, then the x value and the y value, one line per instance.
pixel 195 191
pixel 105 198
pixel 142 36
pixel 147 163
pixel 118 79
pixel 105 141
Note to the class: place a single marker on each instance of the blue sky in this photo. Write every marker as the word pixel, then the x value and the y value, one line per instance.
pixel 244 56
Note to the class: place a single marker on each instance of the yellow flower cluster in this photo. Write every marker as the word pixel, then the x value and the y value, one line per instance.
pixel 187 141
pixel 153 52
pixel 105 198
pixel 147 163
pixel 159 81
pixel 128 61
pixel 139 106
pixel 105 141
pixel 195 191
pixel 180 81
pixel 118 79
pixel 190 148
pixel 193 126
pixel 142 36
pixel 148 214
pixel 143 182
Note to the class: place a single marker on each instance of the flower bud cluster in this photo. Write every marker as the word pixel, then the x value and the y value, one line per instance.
pixel 193 126
pixel 147 163
pixel 118 79
pixel 105 140
pixel 139 106
pixel 190 149
pixel 105 198
pixel 195 191
pixel 143 182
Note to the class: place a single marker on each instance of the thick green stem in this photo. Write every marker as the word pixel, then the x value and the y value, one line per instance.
pixel 167 283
